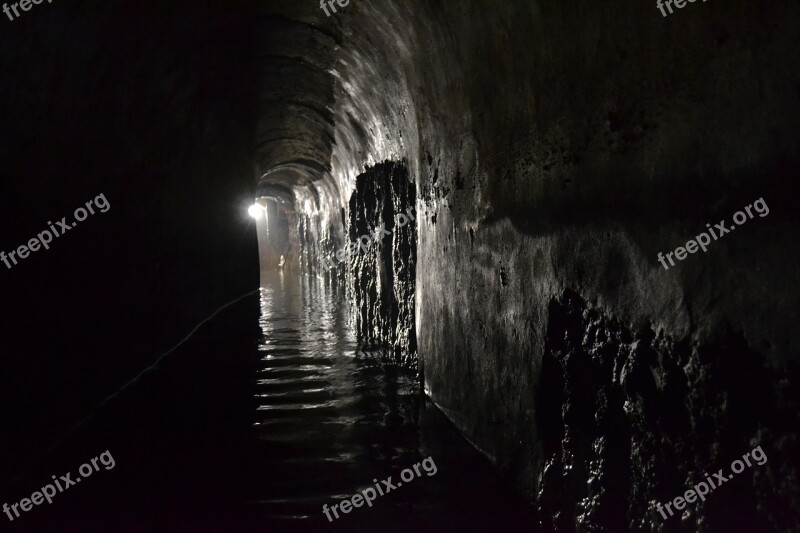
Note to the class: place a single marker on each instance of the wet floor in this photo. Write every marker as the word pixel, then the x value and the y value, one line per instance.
pixel 268 413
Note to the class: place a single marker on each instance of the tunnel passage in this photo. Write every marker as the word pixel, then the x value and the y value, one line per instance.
pixel 382 275
pixel 552 144
pixel 272 226
pixel 630 419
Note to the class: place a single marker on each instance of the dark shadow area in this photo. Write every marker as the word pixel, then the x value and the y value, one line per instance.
pixel 145 107
pixel 233 434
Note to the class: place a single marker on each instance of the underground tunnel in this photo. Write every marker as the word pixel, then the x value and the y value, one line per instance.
pixel 397 265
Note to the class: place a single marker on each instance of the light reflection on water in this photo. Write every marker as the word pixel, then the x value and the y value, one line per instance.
pixel 330 418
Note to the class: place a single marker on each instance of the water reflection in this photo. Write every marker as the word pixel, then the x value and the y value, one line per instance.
pixel 330 418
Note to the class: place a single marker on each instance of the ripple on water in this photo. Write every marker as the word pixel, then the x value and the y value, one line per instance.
pixel 330 417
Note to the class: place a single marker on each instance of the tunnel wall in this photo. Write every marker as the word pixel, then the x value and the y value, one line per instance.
pixel 557 148
pixel 630 418
pixel 615 135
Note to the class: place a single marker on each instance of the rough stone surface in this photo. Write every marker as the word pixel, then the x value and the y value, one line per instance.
pixel 633 419
pixel 382 277
pixel 554 145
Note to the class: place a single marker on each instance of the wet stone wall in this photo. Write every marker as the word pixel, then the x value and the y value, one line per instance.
pixel 631 419
pixel 382 271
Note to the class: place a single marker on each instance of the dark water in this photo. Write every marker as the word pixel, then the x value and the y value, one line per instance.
pixel 248 428
pixel 333 419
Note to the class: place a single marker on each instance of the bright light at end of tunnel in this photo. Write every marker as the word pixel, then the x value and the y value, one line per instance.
pixel 256 211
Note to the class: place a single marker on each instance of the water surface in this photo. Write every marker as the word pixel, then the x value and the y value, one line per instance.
pixel 332 419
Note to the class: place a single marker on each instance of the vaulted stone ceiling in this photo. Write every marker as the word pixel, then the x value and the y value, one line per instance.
pixel 333 96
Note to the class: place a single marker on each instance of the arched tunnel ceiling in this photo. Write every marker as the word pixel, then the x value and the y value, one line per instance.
pixel 332 97
pixel 273 191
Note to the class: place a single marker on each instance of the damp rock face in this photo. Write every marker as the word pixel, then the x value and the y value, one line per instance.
pixel 375 266
pixel 631 419
pixel 382 271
